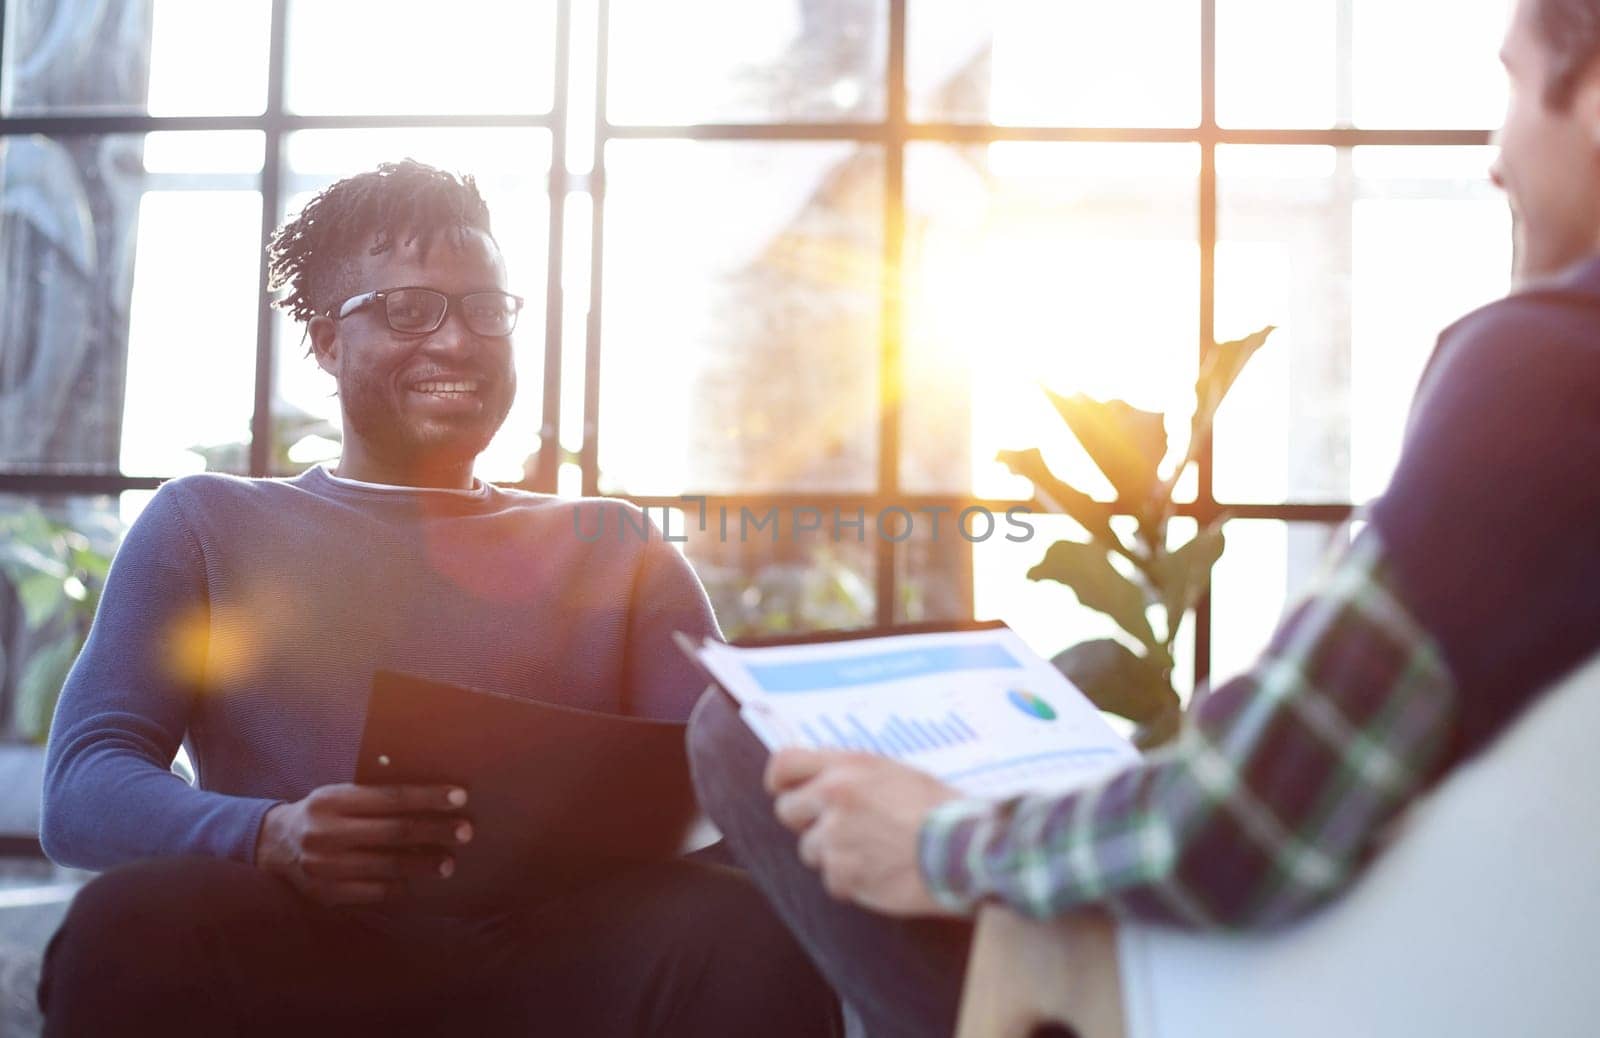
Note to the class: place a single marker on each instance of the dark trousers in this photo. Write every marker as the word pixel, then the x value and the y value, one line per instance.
pixel 896 976
pixel 200 946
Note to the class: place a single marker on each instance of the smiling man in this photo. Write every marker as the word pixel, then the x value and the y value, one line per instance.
pixel 1471 589
pixel 245 619
pixel 417 417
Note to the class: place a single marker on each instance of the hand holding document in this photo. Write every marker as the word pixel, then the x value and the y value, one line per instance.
pixel 557 794
pixel 976 708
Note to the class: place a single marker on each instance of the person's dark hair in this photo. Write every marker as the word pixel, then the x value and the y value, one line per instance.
pixel 409 201
pixel 1570 32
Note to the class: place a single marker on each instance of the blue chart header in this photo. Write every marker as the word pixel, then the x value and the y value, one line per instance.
pixel 815 675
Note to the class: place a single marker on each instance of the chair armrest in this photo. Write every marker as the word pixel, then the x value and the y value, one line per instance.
pixel 1023 973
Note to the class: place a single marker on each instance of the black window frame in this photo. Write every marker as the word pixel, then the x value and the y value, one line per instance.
pixel 892 133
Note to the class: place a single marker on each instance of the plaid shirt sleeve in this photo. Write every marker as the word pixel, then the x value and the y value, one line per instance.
pixel 1266 803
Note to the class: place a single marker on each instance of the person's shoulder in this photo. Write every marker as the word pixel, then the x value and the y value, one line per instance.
pixel 518 498
pixel 1537 341
pixel 613 527
pixel 178 508
pixel 204 489
pixel 607 510
pixel 1512 394
pixel 1555 320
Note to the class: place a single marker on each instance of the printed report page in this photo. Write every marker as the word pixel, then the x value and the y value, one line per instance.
pixel 979 709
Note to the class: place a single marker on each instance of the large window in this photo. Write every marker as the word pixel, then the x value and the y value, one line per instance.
pixel 791 254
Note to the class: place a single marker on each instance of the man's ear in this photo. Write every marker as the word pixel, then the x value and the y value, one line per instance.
pixel 325 344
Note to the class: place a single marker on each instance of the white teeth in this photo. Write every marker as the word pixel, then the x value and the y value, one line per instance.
pixel 446 387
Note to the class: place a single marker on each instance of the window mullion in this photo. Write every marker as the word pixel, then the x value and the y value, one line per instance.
pixel 261 431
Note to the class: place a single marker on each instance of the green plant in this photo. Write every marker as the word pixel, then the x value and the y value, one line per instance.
pixel 1122 576
pixel 57 572
pixel 821 592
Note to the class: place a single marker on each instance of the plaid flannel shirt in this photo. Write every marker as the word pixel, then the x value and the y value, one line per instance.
pixel 1266 803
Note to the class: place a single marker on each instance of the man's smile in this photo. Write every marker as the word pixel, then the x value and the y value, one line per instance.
pixel 454 394
pixel 460 387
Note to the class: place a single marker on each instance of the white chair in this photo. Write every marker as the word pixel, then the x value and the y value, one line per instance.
pixel 1481 918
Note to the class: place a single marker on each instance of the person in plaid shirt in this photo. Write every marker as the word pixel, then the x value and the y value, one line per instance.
pixel 1471 588
pixel 1264 805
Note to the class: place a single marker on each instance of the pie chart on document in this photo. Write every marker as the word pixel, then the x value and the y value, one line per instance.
pixel 1031 704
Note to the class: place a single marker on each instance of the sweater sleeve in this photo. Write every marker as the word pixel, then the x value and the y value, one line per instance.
pixel 109 794
pixel 662 682
pixel 1490 519
pixel 1266 805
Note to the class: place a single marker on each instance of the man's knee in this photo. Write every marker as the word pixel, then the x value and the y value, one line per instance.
pixel 169 893
pixel 713 723
pixel 725 757
pixel 727 954
pixel 136 929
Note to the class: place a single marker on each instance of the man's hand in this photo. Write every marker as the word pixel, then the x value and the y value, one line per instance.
pixel 858 817
pixel 347 844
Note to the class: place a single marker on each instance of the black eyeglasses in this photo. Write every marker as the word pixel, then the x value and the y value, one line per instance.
pixel 413 310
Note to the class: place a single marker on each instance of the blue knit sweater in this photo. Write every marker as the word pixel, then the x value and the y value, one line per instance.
pixel 245 618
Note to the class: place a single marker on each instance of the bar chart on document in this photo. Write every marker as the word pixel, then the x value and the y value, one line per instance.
pixel 976 708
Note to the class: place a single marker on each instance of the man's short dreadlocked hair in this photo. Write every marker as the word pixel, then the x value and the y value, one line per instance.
pixel 369 211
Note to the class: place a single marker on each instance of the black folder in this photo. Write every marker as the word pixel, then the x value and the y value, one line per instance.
pixel 556 794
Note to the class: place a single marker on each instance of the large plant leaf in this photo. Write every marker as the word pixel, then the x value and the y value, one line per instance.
pixel 39 686
pixel 1185 573
pixel 1219 369
pixel 1087 570
pixel 1126 443
pixel 1056 493
pixel 1118 681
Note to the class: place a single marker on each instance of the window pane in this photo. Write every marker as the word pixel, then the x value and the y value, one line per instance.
pixel 746 61
pixel 1428 211
pixel 1327 245
pixel 1460 84
pixel 409 56
pixel 164 57
pixel 192 326
pixel 1054 62
pixel 933 564
pixel 48 591
pixel 1267 566
pixel 1073 266
pixel 764 578
pixel 1279 64
pixel 1276 62
pixel 128 280
pixel 512 170
pixel 742 302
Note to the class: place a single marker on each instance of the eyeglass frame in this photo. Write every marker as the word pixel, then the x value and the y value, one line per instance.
pixel 458 299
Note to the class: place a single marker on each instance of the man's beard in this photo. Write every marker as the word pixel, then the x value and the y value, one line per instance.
pixel 371 411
